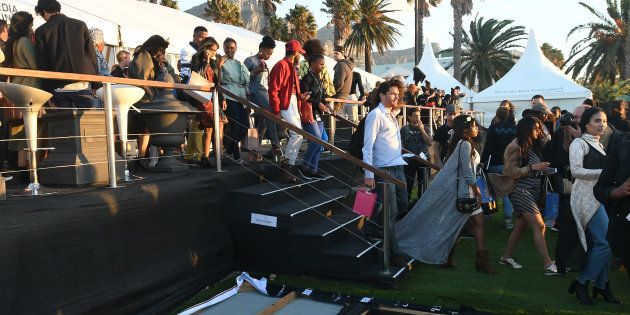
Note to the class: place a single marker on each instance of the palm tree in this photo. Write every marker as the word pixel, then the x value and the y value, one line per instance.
pixel 486 58
pixel 554 55
pixel 170 3
pixel 603 53
pixel 460 8
pixel 342 14
pixel 223 11
pixel 373 28
pixel 421 11
pixel 269 10
pixel 278 29
pixel 301 23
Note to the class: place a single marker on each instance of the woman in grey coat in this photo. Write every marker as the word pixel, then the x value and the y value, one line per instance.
pixel 430 230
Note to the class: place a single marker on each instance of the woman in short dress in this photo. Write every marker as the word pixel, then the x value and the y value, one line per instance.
pixel 522 165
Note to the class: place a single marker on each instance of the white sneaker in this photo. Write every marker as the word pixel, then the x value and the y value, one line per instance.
pixel 508 224
pixel 510 262
pixel 551 270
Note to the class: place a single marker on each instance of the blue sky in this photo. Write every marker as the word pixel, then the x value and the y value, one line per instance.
pixel 551 20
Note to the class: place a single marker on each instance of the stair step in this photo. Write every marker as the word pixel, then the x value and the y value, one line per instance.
pixel 328 225
pixel 350 254
pixel 293 213
pixel 269 194
pixel 353 246
pixel 310 241
pixel 294 208
pixel 271 187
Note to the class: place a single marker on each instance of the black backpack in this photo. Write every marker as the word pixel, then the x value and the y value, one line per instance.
pixel 355 148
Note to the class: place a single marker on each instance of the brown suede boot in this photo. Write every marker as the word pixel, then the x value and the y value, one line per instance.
pixel 482 263
pixel 450 262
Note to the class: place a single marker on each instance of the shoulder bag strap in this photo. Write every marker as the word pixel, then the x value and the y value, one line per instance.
pixel 458 166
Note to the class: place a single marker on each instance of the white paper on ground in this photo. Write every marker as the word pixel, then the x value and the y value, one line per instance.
pixel 260 285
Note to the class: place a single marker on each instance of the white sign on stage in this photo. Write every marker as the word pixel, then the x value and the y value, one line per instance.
pixel 266 220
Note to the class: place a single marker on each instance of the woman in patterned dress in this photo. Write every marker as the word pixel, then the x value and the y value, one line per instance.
pixel 429 232
pixel 523 163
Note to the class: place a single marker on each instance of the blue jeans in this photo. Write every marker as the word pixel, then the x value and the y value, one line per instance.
pixel 507 205
pixel 78 99
pixel 599 253
pixel 311 158
pixel 266 127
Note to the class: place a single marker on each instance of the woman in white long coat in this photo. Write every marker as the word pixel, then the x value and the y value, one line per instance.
pixel 587 158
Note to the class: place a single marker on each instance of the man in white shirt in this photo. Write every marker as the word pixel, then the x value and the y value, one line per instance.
pixel 185 54
pixel 382 148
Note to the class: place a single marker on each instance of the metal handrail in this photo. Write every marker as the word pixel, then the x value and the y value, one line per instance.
pixel 415 156
pixel 343 154
pixel 65 76
pixel 107 93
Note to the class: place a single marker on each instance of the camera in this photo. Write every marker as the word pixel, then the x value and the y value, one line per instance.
pixel 566 119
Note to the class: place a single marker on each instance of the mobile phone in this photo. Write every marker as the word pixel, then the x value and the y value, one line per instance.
pixel 549 171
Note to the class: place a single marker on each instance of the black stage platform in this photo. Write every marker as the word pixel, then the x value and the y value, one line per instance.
pixel 143 248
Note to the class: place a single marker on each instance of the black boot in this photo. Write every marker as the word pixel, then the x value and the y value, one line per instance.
pixel 581 292
pixel 205 162
pixel 606 294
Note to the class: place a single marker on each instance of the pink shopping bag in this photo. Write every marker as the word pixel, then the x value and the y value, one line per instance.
pixel 364 202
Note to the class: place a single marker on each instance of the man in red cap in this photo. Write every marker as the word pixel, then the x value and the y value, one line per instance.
pixel 284 90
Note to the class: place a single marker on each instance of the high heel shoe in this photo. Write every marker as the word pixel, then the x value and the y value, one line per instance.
pixel 581 292
pixel 606 294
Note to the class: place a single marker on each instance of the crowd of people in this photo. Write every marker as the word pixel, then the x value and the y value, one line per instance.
pixel 547 150
pixel 293 89
pixel 578 155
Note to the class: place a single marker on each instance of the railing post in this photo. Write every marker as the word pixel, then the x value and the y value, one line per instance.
pixel 431 122
pixel 404 115
pixel 217 129
pixel 109 122
pixel 361 111
pixel 333 127
pixel 388 198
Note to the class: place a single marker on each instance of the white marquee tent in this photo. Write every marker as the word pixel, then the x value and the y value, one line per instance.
pixel 437 75
pixel 532 74
pixel 127 24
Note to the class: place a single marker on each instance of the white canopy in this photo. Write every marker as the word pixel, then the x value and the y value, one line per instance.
pixel 532 74
pixel 436 74
pixel 128 24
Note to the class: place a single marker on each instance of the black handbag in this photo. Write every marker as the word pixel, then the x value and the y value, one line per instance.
pixel 463 205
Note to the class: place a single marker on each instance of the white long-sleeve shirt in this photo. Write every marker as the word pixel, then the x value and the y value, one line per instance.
pixel 381 142
pixel 185 57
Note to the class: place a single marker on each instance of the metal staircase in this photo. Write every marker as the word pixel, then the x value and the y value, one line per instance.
pixel 305 228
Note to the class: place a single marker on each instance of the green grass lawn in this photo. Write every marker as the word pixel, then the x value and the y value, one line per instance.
pixel 525 291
